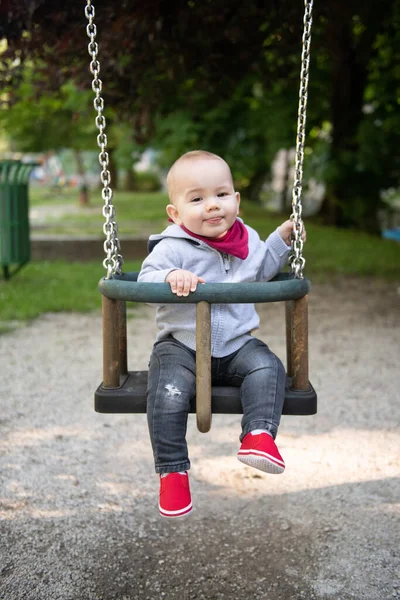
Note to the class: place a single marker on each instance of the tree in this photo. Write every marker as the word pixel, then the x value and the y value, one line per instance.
pixel 239 128
pixel 360 38
pixel 158 72
pixel 42 122
pixel 228 74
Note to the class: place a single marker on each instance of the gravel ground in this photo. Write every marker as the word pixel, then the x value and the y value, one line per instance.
pixel 78 495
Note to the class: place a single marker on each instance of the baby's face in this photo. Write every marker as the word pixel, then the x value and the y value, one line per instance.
pixel 203 196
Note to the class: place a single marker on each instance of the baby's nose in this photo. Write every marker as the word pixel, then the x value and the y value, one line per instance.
pixel 213 204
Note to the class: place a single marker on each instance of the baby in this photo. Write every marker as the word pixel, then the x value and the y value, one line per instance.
pixel 209 243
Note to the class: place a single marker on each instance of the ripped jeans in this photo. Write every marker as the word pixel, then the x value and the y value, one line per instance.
pixel 172 384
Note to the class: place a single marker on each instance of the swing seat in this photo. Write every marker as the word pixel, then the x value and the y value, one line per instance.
pixel 124 391
pixel 131 398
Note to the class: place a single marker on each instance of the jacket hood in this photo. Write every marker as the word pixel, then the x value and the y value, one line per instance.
pixel 172 231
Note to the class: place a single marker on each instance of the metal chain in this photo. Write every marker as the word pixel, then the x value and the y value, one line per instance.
pixel 296 259
pixel 114 260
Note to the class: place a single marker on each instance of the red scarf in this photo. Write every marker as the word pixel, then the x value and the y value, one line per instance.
pixel 234 242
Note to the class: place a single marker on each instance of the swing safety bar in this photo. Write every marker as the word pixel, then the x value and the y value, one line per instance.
pixel 283 287
pixel 124 391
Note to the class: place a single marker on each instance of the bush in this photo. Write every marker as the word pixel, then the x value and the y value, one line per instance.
pixel 146 181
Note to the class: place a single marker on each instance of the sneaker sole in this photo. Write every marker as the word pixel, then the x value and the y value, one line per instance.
pixel 262 463
pixel 174 514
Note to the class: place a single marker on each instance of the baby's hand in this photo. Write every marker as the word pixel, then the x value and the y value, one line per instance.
pixel 285 231
pixel 182 282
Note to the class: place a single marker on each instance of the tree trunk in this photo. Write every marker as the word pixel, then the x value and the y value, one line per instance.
pixel 129 183
pixel 83 188
pixel 285 203
pixel 352 197
pixel 348 83
pixel 254 190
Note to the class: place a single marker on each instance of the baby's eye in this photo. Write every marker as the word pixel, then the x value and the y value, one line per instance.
pixel 222 194
pixel 195 199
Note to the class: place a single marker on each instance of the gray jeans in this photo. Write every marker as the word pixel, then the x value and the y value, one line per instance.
pixel 172 384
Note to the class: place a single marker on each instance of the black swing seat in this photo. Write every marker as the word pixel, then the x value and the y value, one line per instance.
pixel 131 398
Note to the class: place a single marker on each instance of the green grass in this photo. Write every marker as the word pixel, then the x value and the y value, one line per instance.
pixel 136 213
pixel 328 250
pixel 331 251
pixel 40 195
pixel 42 287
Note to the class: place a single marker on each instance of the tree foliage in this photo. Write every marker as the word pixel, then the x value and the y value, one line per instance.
pixel 39 122
pixel 225 76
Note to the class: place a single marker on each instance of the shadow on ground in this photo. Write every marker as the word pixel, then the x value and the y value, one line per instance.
pixel 281 547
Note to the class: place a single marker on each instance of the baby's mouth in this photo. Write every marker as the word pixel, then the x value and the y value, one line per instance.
pixel 214 220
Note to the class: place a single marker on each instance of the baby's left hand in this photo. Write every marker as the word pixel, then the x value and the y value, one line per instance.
pixel 285 231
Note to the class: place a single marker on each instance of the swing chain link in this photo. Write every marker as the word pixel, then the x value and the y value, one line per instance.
pixel 112 248
pixel 296 260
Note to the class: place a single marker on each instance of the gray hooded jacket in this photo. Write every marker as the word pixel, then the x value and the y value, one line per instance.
pixel 231 324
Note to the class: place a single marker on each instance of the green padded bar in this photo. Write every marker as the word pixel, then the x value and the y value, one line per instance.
pixel 125 287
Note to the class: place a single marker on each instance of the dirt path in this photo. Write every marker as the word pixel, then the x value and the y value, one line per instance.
pixel 78 496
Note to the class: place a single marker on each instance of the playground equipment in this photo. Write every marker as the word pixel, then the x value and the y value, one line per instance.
pixel 125 391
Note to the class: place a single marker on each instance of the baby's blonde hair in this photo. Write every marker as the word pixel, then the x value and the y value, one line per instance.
pixel 192 155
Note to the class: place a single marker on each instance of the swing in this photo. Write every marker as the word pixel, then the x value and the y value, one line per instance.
pixel 123 391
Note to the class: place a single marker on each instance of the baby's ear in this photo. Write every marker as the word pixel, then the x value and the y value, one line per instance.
pixel 238 201
pixel 173 214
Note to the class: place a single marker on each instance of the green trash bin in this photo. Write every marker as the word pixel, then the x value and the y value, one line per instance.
pixel 15 246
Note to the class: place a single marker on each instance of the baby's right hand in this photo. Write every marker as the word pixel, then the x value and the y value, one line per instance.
pixel 182 282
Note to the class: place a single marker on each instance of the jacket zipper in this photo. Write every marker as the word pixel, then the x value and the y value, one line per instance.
pixel 226 261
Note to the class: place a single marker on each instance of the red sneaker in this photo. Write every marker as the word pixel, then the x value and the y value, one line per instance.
pixel 260 451
pixel 175 499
